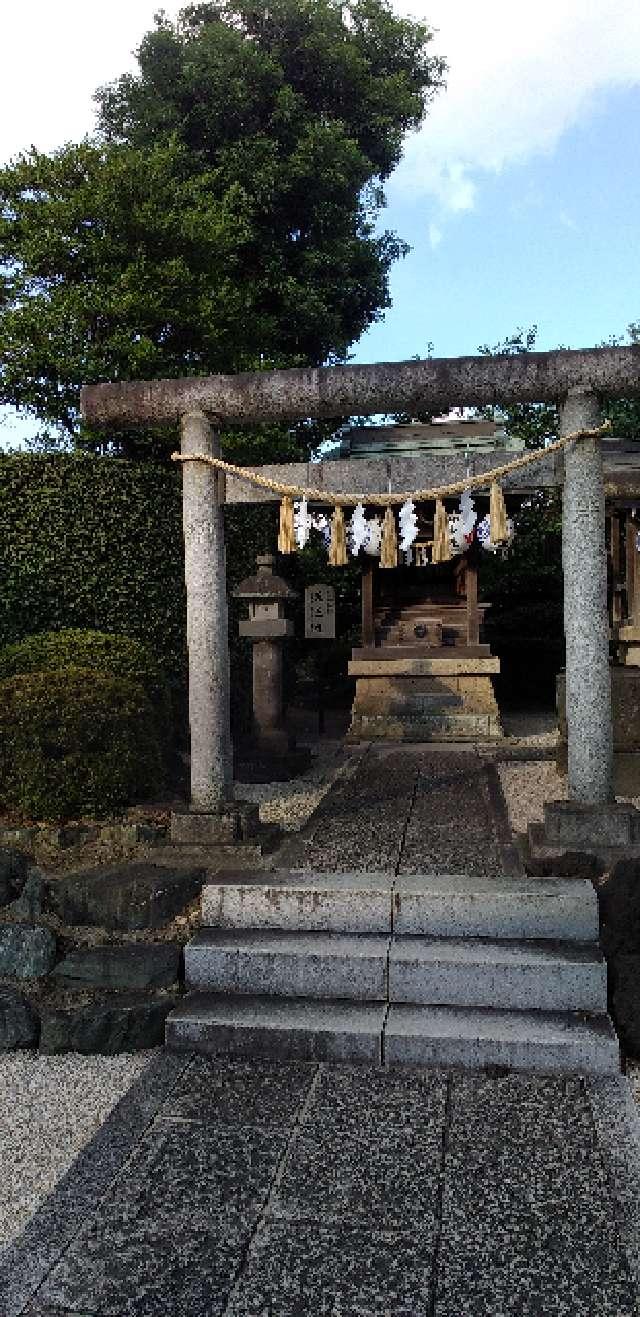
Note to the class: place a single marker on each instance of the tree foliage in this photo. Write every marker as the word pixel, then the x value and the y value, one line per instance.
pixel 224 217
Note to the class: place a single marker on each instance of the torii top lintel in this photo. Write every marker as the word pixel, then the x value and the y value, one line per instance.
pixel 336 391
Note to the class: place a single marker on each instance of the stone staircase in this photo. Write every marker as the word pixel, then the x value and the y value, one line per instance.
pixel 425 970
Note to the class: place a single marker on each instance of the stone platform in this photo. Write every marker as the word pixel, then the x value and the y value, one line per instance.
pixel 407 694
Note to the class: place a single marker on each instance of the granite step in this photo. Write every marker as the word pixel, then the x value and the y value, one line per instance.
pixel 286 1029
pixel 427 905
pixel 558 909
pixel 351 966
pixel 306 902
pixel 514 975
pixel 550 1041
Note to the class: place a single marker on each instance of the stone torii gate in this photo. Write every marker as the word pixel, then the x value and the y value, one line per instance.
pixel 201 405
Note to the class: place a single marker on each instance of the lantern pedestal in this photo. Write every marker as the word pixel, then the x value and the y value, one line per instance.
pixel 270 755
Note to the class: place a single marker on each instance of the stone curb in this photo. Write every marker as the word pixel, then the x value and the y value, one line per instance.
pixel 25 1263
pixel 617 1122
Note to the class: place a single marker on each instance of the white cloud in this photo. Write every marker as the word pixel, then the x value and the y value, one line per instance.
pixel 435 236
pixel 519 77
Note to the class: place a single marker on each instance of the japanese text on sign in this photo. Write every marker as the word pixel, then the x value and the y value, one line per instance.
pixel 320 612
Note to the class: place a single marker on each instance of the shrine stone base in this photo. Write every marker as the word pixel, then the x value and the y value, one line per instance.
pixel 609 832
pixel 237 821
pixel 420 698
pixel 625 699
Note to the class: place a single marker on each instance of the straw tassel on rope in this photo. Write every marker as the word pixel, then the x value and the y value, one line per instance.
pixel 338 543
pixel 441 541
pixel 498 531
pixel 286 533
pixel 389 541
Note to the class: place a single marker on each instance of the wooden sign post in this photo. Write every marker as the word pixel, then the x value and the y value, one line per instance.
pixel 320 624
pixel 320 612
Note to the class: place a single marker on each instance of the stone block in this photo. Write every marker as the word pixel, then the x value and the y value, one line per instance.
pixel 124 896
pixel 136 966
pixel 26 952
pixel 570 825
pixel 514 975
pixel 127 1023
pixel 14 867
pixel 289 964
pixel 235 823
pixel 518 1040
pixel 18 1021
pixel 306 902
pixel 424 667
pixel 288 1030
pixel 458 906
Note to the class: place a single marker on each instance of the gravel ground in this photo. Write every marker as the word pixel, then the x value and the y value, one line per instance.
pixel 291 804
pixel 526 786
pixel 50 1107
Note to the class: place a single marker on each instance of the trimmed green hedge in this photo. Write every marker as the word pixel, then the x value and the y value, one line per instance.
pixel 95 543
pixel 119 656
pixel 76 743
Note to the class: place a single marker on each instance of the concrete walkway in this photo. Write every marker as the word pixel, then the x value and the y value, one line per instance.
pixel 264 1190
pixel 409 810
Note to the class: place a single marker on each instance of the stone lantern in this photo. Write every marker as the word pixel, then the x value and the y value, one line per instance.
pixel 272 756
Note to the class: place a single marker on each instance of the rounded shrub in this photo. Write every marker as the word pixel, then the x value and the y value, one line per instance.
pixel 116 655
pixel 76 742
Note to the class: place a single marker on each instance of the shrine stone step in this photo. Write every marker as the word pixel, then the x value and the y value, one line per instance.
pixel 449 725
pixel 436 971
pixel 427 905
pixel 514 976
pixel 303 1029
pixel 460 906
pixel 282 1028
pixel 557 1042
pixel 307 902
pixel 350 966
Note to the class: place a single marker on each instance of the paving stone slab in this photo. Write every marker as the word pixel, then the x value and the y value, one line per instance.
pixel 385 1175
pixel 288 963
pixel 516 1268
pixel 191 1170
pixel 513 975
pixel 222 1092
pixel 354 1099
pixel 322 1271
pixel 149 1267
pixel 285 1029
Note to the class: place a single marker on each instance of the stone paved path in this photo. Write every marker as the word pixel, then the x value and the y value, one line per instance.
pixel 263 1190
pixel 407 811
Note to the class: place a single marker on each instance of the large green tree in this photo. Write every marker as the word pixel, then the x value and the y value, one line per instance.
pixel 224 217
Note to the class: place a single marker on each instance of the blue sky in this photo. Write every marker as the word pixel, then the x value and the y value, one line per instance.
pixel 520 196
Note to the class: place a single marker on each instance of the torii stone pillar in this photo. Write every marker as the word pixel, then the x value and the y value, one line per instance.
pixel 213 816
pixel 590 819
pixel 586 621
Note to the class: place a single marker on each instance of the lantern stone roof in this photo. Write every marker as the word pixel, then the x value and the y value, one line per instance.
pixel 265 584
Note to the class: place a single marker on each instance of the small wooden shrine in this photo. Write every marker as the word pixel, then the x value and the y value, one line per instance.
pixel 424 671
